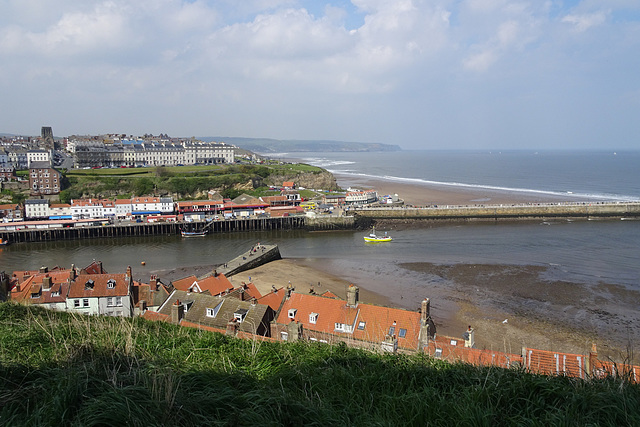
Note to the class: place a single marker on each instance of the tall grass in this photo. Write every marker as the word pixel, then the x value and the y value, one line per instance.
pixel 64 369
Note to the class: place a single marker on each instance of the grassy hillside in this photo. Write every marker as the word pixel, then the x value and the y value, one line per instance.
pixel 185 181
pixel 61 369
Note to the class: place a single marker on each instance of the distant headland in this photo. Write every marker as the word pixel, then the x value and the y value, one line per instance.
pixel 268 145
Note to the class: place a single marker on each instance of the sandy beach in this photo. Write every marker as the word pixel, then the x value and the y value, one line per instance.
pixel 425 195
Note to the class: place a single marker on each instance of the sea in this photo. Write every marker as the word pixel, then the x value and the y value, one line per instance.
pixel 580 251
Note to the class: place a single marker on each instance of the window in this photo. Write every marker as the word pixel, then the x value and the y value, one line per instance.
pixel 119 301
pixel 284 336
pixel 109 301
pixel 76 303
pixel 339 327
pixel 292 313
pixel 402 333
pixel 85 302
pixel 111 284
pixel 392 330
pixel 240 314
pixel 438 352
pixel 313 318
pixel 453 342
pixel 361 326
pixel 55 294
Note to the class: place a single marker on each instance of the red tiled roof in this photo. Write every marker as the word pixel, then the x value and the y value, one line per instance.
pixel 100 288
pixel 273 299
pixel 185 283
pixel 370 323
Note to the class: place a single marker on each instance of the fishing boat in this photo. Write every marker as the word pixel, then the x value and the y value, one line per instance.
pixel 3 242
pixel 374 238
pixel 193 233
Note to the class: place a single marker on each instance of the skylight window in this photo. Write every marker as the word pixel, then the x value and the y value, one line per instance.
pixel 402 333
pixel 361 326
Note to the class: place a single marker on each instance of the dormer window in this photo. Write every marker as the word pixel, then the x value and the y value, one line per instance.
pixel 292 313
pixel 111 284
pixel 240 314
pixel 313 318
pixel 89 284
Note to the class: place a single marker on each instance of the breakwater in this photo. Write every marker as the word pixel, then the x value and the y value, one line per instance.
pixel 503 212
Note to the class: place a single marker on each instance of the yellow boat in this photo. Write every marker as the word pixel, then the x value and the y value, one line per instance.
pixel 374 238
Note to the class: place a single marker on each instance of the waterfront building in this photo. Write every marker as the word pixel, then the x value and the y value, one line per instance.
pixel 123 208
pixel 92 208
pixel 11 212
pixel 361 197
pixel 60 211
pixel 36 209
pixel 151 205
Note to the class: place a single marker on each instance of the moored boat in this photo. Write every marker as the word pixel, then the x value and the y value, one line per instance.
pixel 3 242
pixel 193 233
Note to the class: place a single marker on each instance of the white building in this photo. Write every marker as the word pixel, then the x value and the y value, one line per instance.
pixel 36 209
pixel 361 197
pixel 101 294
pixel 91 208
pixel 38 156
pixel 123 208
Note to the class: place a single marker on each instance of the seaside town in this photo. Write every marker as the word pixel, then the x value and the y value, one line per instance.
pixel 212 302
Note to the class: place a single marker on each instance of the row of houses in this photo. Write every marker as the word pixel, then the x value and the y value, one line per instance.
pixel 136 207
pixel 140 152
pixel 213 303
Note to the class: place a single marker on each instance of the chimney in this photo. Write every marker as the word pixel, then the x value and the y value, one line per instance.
pixel 232 328
pixel 469 337
pixel 153 282
pixel 46 282
pixel 215 273
pixel 100 265
pixel 352 295
pixel 128 278
pixel 73 271
pixel 425 310
pixel 44 269
pixel 177 312
pixel 25 276
pixel 295 331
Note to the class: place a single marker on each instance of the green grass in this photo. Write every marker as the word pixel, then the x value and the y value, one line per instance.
pixel 61 369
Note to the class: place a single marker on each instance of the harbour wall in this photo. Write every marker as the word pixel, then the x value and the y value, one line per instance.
pixel 503 212
pixel 41 233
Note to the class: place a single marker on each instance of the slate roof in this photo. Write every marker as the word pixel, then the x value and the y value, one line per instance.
pixel 256 320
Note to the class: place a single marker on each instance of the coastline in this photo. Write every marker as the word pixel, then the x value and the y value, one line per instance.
pixel 425 194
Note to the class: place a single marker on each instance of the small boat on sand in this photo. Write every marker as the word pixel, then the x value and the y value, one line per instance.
pixel 374 238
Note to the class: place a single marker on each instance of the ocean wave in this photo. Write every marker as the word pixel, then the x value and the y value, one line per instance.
pixel 420 181
pixel 325 163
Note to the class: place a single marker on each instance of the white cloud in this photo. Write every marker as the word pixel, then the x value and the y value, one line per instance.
pixel 585 21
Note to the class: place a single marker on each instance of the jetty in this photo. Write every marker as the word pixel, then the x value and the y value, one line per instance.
pixel 258 255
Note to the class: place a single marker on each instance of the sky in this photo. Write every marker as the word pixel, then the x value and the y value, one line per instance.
pixel 433 74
